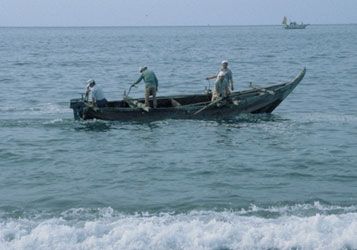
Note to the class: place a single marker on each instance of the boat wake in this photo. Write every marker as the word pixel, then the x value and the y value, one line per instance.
pixel 38 109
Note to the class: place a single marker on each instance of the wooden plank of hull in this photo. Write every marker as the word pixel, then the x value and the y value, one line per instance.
pixel 261 89
pixel 248 105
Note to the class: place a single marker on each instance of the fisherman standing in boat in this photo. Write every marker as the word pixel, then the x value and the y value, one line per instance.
pixel 151 85
pixel 96 91
pixel 228 74
pixel 221 88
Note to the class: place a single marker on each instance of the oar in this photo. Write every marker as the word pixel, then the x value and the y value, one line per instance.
pixel 209 105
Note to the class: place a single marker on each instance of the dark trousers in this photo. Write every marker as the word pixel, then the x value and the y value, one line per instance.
pixel 101 103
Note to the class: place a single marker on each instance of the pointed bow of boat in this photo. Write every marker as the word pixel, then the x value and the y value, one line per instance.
pixel 292 85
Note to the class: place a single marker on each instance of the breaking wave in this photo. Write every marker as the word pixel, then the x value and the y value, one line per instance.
pixel 330 227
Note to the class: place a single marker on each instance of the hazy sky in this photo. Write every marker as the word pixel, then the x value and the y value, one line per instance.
pixel 173 12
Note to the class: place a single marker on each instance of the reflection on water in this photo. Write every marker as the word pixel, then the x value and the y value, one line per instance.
pixel 94 126
pixel 103 126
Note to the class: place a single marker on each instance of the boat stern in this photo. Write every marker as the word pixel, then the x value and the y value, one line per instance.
pixel 77 105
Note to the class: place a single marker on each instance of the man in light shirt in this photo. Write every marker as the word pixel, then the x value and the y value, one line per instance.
pixel 221 88
pixel 96 91
pixel 228 74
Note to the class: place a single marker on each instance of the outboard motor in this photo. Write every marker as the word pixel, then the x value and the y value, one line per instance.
pixel 77 105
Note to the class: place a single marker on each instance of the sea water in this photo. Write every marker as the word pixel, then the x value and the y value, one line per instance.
pixel 286 180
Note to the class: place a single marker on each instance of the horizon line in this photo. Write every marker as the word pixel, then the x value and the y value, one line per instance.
pixel 147 26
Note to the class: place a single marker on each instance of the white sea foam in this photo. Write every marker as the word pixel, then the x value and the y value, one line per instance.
pixel 300 209
pixel 196 230
pixel 54 121
pixel 41 108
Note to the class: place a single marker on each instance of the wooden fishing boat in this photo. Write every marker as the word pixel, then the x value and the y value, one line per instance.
pixel 193 106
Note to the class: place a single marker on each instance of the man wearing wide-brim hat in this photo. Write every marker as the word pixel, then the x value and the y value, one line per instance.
pixel 151 84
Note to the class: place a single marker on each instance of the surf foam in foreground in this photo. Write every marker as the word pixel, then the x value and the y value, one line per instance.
pixel 83 229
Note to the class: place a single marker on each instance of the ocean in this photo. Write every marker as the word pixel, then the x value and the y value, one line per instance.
pixel 286 180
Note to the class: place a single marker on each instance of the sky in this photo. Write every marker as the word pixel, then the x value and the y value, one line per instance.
pixel 174 12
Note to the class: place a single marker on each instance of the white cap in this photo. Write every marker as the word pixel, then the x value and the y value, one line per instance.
pixel 90 81
pixel 221 73
pixel 224 61
pixel 142 68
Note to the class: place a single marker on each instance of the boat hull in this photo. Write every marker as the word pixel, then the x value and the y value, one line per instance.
pixel 296 27
pixel 259 100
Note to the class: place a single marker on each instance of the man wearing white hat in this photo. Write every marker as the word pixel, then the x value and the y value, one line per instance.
pixel 151 84
pixel 96 91
pixel 228 74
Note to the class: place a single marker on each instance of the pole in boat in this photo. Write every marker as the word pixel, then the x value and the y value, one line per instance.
pixel 208 89
pixel 209 105
pixel 130 89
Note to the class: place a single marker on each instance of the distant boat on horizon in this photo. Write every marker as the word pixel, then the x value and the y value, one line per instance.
pixel 293 25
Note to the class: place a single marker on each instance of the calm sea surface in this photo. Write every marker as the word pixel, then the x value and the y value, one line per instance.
pixel 282 181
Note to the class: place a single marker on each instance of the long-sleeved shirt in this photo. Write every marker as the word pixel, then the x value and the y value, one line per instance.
pixel 97 93
pixel 228 74
pixel 149 78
